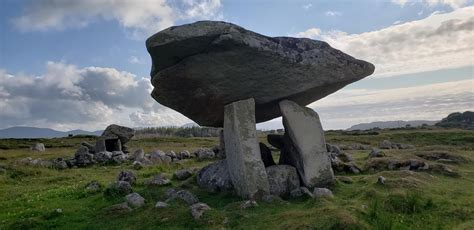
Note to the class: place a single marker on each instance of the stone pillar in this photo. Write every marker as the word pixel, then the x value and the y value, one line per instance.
pixel 306 149
pixel 245 165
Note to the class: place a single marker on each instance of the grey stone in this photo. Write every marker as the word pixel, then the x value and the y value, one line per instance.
pixel 137 165
pixel 333 149
pixel 134 200
pixel 118 188
pixel 138 155
pixel 161 204
pixel 185 154
pixel 215 177
pixel 245 165
pixel 198 209
pixel 127 176
pixel 39 147
pixel 183 174
pixel 103 157
pixel 386 144
pixel 204 154
pixel 266 155
pixel 322 192
pixel 157 180
pixel 93 187
pixel 301 191
pixel 248 204
pixel 118 157
pixel 381 180
pixel 244 65
pixel 376 153
pixel 59 163
pixel 171 154
pixel 89 146
pixel 124 134
pixel 83 157
pixel 310 156
pixel 282 179
pixel 185 196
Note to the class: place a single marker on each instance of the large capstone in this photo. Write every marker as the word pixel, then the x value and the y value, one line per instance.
pixel 199 68
pixel 309 154
pixel 244 162
pixel 122 133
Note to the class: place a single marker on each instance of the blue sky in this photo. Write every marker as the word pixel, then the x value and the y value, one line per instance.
pixel 83 64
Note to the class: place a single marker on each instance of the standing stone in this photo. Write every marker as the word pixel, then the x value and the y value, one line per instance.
pixel 306 133
pixel 245 165
pixel 39 147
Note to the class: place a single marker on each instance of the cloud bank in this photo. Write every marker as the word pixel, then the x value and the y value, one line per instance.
pixel 141 17
pixel 67 97
pixel 440 41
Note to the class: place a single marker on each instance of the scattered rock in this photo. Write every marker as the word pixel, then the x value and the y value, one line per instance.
pixel 322 192
pixel 301 191
pixel 376 153
pixel 198 209
pixel 38 147
pixel 127 176
pixel 248 204
pixel 184 154
pixel 137 165
pixel 381 180
pixel 134 200
pixel 82 157
pixel 282 180
pixel 117 209
pixel 157 180
pixel 183 174
pixel 118 188
pixel 215 177
pixel 185 196
pixel 138 155
pixel 442 157
pixel 103 157
pixel 204 154
pixel 443 169
pixel 386 144
pixel 171 154
pixel 170 192
pixel 161 204
pixel 59 163
pixel 93 187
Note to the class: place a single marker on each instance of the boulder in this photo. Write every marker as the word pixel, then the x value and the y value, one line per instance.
pixel 266 155
pixel 307 148
pixel 59 163
pixel 245 65
pixel 157 180
pixel 215 177
pixel 244 162
pixel 134 200
pixel 138 155
pixel 161 204
pixel 118 188
pixel 184 154
pixel 376 153
pixel 93 187
pixel 82 157
pixel 183 174
pixel 282 179
pixel 381 180
pixel 127 176
pixel 185 196
pixel 198 209
pixel 322 192
pixel 38 147
pixel 103 157
pixel 89 146
pixel 124 134
pixel 204 154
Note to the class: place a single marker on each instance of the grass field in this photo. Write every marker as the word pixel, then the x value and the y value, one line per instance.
pixel 409 200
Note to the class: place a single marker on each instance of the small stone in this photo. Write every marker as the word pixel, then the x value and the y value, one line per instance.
pixel 170 192
pixel 103 157
pixel 204 154
pixel 138 155
pixel 118 188
pixel 184 154
pixel 183 174
pixel 171 154
pixel 38 147
pixel 161 204
pixel 376 153
pixel 322 192
pixel 386 144
pixel 137 165
pixel 59 163
pixel 185 196
pixel 135 200
pixel 198 209
pixel 157 180
pixel 127 176
pixel 248 204
pixel 381 180
pixel 93 187
pixel 307 192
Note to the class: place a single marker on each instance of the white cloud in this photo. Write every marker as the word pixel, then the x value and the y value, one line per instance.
pixel 397 22
pixel 432 3
pixel 141 17
pixel 333 13
pixel 439 41
pixel 134 60
pixel 67 97
pixel 307 6
pixel 427 102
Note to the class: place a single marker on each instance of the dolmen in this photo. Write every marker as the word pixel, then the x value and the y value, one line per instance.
pixel 222 75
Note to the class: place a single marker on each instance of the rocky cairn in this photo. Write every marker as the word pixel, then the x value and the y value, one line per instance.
pixel 222 75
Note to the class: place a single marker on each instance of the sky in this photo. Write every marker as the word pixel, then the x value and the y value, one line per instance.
pixel 82 64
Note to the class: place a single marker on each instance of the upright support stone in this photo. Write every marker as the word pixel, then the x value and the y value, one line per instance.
pixel 244 162
pixel 309 154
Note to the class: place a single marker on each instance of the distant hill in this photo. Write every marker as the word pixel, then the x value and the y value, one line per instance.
pixel 458 120
pixel 390 124
pixel 33 132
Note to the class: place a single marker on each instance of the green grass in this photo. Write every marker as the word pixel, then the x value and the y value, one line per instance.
pixel 29 196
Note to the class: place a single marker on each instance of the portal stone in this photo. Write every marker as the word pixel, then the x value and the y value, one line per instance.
pixel 244 162
pixel 304 130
